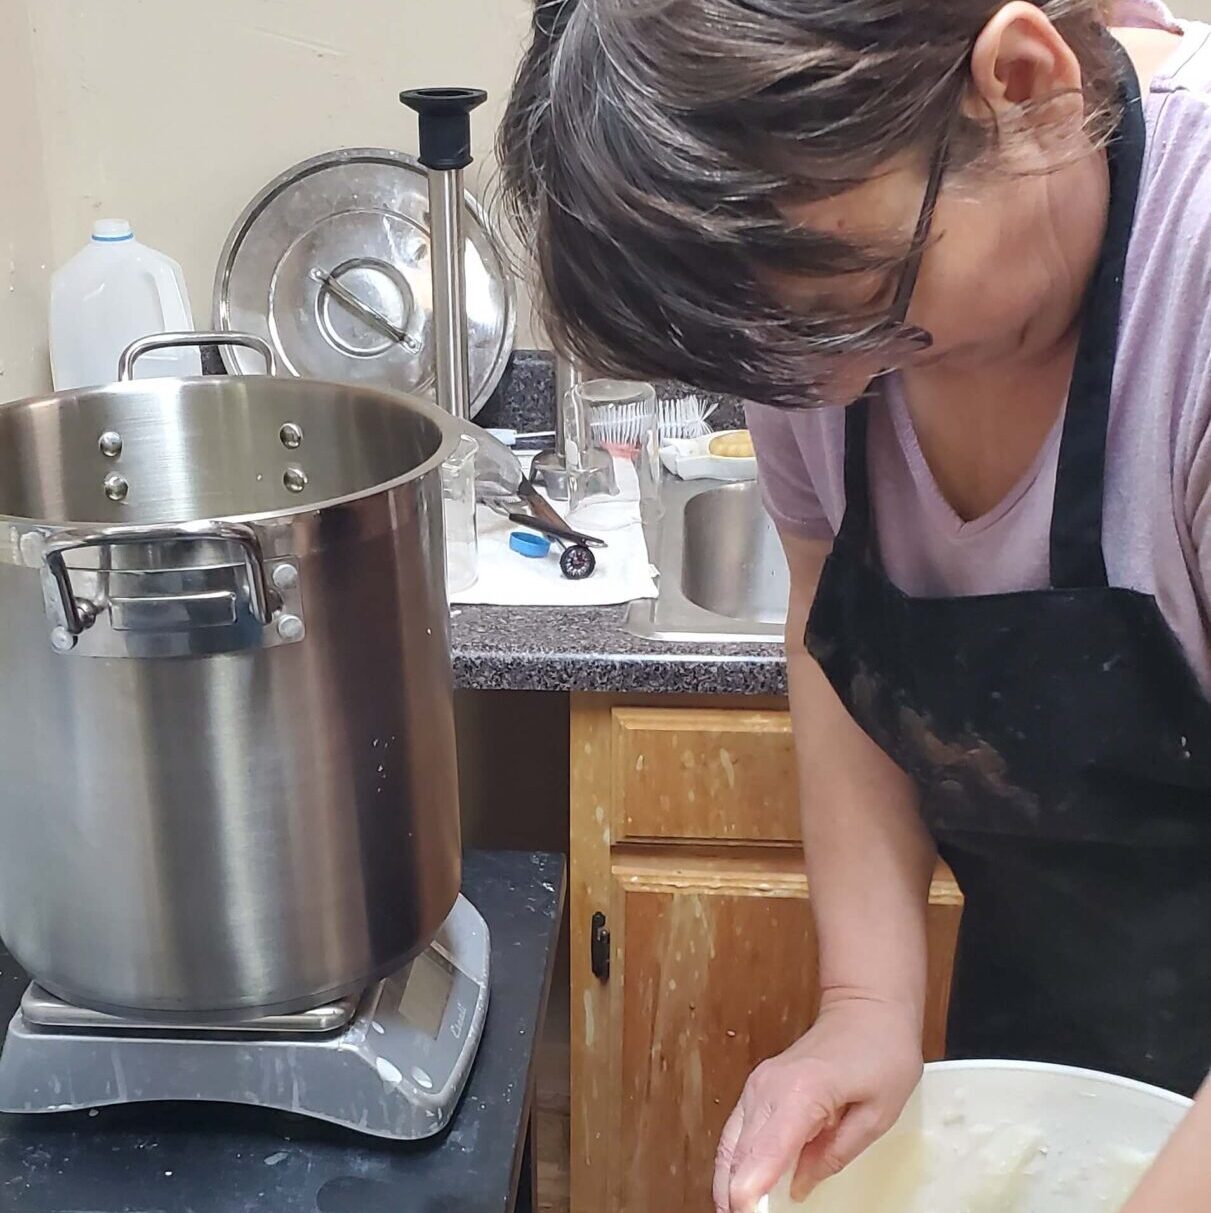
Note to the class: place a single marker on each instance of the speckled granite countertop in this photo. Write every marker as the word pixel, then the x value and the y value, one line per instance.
pixel 588 649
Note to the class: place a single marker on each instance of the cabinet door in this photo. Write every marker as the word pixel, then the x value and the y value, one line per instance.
pixel 715 971
pixel 704 774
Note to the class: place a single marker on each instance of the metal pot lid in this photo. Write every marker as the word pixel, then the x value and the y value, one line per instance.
pixel 330 264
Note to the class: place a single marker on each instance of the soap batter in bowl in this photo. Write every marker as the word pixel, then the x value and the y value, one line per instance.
pixel 1005 1137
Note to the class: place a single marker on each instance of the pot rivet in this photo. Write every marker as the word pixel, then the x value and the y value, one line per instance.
pixel 291 435
pixel 285 577
pixel 295 479
pixel 110 444
pixel 116 486
pixel 61 640
pixel 291 628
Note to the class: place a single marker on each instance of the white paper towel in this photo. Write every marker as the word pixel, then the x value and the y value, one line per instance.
pixel 624 569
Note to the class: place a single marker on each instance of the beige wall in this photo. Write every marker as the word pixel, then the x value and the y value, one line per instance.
pixel 173 113
pixel 24 225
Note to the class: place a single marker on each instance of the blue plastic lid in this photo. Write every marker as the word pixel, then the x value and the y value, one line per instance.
pixel 112 231
pixel 526 543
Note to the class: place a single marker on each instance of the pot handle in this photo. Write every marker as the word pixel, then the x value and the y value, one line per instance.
pixel 171 341
pixel 78 617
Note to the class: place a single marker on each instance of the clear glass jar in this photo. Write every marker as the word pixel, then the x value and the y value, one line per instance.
pixel 621 417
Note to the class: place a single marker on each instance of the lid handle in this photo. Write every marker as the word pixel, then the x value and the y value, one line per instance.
pixel 445 124
pixel 170 341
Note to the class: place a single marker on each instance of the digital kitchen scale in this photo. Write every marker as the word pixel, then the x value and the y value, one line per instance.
pixel 391 1062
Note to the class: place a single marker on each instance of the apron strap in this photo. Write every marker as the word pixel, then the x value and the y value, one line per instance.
pixel 855 532
pixel 1077 560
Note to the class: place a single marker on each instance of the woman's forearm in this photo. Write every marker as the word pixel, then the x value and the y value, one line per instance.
pixel 817 1105
pixel 870 859
pixel 1180 1182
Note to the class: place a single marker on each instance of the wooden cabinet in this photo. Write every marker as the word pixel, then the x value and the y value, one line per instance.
pixel 685 848
pixel 702 774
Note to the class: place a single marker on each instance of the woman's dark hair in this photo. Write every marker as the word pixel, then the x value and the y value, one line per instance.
pixel 651 146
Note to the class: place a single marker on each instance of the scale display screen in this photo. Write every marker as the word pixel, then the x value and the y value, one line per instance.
pixel 430 983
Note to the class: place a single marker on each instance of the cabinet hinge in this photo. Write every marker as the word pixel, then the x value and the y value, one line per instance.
pixel 599 947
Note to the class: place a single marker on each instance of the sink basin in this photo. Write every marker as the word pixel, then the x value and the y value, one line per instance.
pixel 732 560
pixel 723 575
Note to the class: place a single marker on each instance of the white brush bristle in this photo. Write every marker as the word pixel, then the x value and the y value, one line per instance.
pixel 685 417
pixel 622 425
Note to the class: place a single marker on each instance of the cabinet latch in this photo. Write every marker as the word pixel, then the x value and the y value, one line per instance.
pixel 599 947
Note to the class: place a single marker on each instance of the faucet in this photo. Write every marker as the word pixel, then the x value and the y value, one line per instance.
pixel 445 151
pixel 575 468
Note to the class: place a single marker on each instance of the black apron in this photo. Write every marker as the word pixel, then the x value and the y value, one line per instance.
pixel 1062 748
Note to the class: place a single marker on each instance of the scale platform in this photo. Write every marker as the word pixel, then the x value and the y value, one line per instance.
pixel 391 1063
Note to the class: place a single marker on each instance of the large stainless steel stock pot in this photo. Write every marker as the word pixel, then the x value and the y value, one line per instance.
pixel 227 772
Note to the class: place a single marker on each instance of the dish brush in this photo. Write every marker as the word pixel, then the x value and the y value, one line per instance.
pixel 685 417
pixel 622 425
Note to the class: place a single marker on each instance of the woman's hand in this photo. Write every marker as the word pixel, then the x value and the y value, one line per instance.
pixel 817 1106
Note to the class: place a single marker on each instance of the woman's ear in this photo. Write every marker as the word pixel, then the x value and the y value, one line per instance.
pixel 1019 59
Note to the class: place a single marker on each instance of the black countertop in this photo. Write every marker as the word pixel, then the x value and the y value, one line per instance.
pixel 189 1158
pixel 588 649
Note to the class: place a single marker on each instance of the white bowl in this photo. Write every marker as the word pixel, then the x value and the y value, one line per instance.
pixel 1005 1137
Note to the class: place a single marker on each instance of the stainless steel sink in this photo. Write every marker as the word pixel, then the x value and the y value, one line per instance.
pixel 723 575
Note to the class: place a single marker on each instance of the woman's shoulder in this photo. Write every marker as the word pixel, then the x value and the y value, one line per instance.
pixel 1188 69
pixel 1164 365
pixel 1173 220
pixel 800 457
pixel 1179 94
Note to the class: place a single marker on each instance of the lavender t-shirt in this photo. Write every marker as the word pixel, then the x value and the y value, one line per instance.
pixel 1157 515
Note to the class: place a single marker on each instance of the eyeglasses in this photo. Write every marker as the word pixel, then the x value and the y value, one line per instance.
pixel 893 324
pixel 892 327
